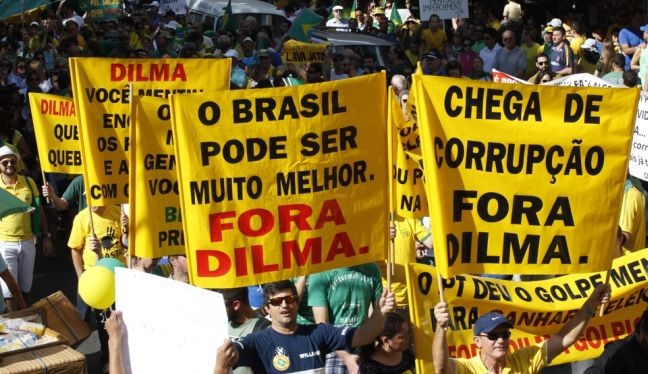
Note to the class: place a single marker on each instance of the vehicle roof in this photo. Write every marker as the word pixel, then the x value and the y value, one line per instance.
pixel 347 38
pixel 216 7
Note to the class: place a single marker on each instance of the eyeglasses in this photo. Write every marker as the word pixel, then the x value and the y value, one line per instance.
pixel 493 336
pixel 542 63
pixel 8 162
pixel 278 301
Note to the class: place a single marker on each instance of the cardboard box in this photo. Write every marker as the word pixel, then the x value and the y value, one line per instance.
pixel 58 359
pixel 61 315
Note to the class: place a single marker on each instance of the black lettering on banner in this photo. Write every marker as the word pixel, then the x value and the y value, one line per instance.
pixel 522 293
pixel 516 158
pixel 172 237
pixel 491 104
pixel 123 167
pixel 60 157
pixel 316 180
pixel 108 167
pixel 450 283
pixel 234 151
pixel 576 108
pixel 629 273
pixel 163 186
pixel 109 144
pixel 116 120
pixel 208 113
pixel 425 283
pixel 485 289
pixel 329 141
pixel 106 191
pixel 66 132
pixel 164 112
pixel 225 189
pixel 102 95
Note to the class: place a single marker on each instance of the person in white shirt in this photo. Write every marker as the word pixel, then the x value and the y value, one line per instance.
pixel 338 21
pixel 489 51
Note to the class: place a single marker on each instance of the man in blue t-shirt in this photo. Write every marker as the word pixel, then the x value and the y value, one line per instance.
pixel 288 347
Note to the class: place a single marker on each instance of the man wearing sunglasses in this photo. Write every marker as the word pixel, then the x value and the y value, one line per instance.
pixel 288 347
pixel 541 63
pixel 492 333
pixel 17 240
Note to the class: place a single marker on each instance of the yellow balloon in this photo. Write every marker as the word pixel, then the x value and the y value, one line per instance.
pixel 97 287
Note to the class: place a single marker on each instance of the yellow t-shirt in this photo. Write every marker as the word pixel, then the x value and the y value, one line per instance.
pixel 17 227
pixel 433 39
pixel 107 229
pixel 633 218
pixel 407 231
pixel 531 54
pixel 526 360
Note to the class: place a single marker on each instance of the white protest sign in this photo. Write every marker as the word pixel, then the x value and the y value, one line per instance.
pixel 580 80
pixel 639 150
pixel 177 6
pixel 445 9
pixel 170 326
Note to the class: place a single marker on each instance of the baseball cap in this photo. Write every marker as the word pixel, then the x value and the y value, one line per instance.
pixel 644 28
pixel 378 11
pixel 589 44
pixel 263 52
pixel 556 22
pixel 172 25
pixel 154 4
pixel 34 24
pixel 231 53
pixel 66 21
pixel 489 322
pixel 338 7
pixel 431 54
pixel 6 151
pixel 247 39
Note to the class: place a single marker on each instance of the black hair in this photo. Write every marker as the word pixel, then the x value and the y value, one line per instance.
pixel 630 78
pixel 231 294
pixel 619 59
pixel 392 326
pixel 271 289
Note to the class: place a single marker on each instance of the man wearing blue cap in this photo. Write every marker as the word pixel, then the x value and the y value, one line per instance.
pixel 492 333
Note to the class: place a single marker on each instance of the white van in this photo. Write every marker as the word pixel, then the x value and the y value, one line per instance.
pixel 210 12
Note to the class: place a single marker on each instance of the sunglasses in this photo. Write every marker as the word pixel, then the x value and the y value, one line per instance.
pixel 543 63
pixel 8 162
pixel 545 80
pixel 493 336
pixel 278 301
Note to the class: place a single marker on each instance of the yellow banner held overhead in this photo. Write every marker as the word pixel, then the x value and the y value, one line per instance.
pixel 409 198
pixel 281 182
pixel 523 179
pixel 537 309
pixel 102 91
pixel 155 204
pixel 57 134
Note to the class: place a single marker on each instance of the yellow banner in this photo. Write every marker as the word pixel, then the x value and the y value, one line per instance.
pixel 518 175
pixel 57 134
pixel 536 309
pixel 407 174
pixel 156 224
pixel 102 91
pixel 276 183
pixel 296 52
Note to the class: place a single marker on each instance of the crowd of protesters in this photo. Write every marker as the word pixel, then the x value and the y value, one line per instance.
pixel 34 58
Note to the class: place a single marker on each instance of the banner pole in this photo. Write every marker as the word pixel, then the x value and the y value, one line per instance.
pixel 607 281
pixel 440 284
pixel 45 182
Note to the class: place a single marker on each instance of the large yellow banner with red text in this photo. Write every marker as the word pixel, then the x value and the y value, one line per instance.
pixel 536 309
pixel 281 182
pixel 102 90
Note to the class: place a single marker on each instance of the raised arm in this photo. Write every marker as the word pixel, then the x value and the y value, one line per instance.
pixel 575 326
pixel 368 331
pixel 440 354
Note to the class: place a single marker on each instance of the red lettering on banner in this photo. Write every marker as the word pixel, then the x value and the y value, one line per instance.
pixel 310 254
pixel 58 108
pixel 258 221
pixel 147 72
pixel 202 261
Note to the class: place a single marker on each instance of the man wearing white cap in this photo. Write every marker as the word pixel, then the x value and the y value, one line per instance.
pixel 337 21
pixel 17 240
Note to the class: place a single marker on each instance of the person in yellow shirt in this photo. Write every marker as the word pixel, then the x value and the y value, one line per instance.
pixel 434 36
pixel 17 238
pixel 633 216
pixel 409 234
pixel 492 334
pixel 88 246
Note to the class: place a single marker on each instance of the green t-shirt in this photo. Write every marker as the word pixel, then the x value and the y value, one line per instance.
pixel 74 194
pixel 347 292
